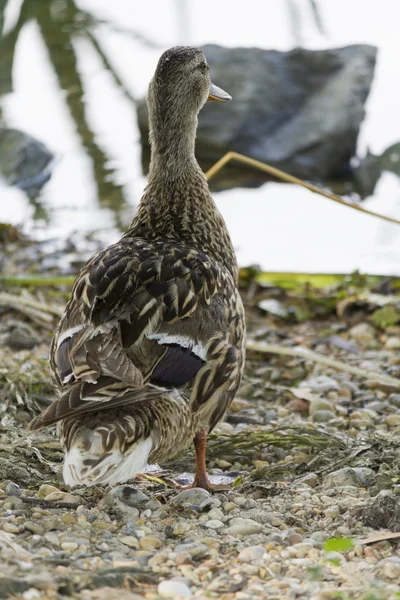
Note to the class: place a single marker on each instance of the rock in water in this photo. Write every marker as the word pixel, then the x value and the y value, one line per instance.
pixel 299 110
pixel 25 162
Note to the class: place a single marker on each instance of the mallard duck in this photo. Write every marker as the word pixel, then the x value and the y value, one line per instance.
pixel 150 350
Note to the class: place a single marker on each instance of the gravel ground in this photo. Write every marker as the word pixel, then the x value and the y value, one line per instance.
pixel 311 455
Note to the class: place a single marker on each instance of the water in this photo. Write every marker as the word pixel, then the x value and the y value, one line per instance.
pixel 74 88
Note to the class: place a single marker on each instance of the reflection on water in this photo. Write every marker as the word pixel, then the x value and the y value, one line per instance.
pixel 70 72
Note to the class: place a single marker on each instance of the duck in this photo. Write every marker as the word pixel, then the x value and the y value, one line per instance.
pixel 150 350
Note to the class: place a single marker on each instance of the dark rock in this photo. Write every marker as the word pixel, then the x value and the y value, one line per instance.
pixel 299 111
pixel 21 338
pixel 13 489
pixel 25 162
pixel 383 513
pixel 129 495
pixel 10 586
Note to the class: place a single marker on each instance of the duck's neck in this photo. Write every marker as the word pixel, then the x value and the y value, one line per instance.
pixel 177 204
pixel 172 139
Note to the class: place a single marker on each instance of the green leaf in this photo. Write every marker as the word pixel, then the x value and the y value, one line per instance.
pixel 338 545
pixel 315 572
pixel 385 316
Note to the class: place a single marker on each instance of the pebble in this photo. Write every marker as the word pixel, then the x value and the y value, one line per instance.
pixel 45 490
pixel 34 527
pixel 320 405
pixel 215 513
pixel 394 399
pixel 391 568
pixel 323 416
pixel 332 511
pixel 300 550
pixel 320 384
pixel 294 538
pixel 63 497
pixel 363 333
pixel 69 546
pixel 358 476
pixel 251 554
pixel 392 343
pixel 393 420
pixel 129 495
pixel 194 550
pixel 173 589
pixel 192 496
pixel 240 526
pixel 130 540
pixel 310 479
pixel 12 489
pixel 149 542
pixel 10 528
pixel 214 524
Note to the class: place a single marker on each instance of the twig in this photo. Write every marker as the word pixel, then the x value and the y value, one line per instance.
pixel 301 352
pixel 45 503
pixel 32 308
pixel 291 179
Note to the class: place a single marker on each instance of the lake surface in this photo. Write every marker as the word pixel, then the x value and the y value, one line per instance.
pixel 77 95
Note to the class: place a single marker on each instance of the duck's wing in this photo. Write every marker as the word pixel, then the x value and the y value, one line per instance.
pixel 104 346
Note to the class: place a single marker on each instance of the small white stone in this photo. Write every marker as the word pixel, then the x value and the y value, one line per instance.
pixel 11 528
pixel 173 589
pixel 251 553
pixel 300 550
pixel 31 594
pixel 69 546
pixel 239 526
pixel 391 569
pixel 130 540
pixel 214 524
pixel 332 511
pixel 215 513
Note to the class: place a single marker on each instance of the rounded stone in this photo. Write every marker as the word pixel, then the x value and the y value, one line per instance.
pixel 320 384
pixel 10 528
pixel 129 495
pixel 192 496
pixel 393 420
pixel 173 589
pixel 240 526
pixel 150 543
pixel 130 540
pixel 69 546
pixel 359 477
pixel 320 404
pixel 214 524
pixel 45 490
pixel 251 553
pixel 13 489
pixel 323 416
pixel 391 569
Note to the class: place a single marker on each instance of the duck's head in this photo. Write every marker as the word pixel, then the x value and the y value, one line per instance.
pixel 181 85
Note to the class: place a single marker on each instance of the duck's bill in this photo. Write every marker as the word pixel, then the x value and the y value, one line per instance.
pixel 218 95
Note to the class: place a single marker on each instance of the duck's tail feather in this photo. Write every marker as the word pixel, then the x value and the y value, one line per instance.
pixel 109 450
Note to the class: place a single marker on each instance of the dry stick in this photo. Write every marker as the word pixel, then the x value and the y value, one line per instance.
pixel 291 179
pixel 323 360
pixel 22 304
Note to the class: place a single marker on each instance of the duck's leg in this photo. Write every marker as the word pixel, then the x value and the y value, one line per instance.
pixel 200 479
pixel 200 442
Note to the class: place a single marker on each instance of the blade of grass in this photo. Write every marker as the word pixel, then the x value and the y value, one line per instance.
pixel 252 162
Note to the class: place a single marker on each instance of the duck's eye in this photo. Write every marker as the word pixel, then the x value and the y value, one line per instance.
pixel 203 66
